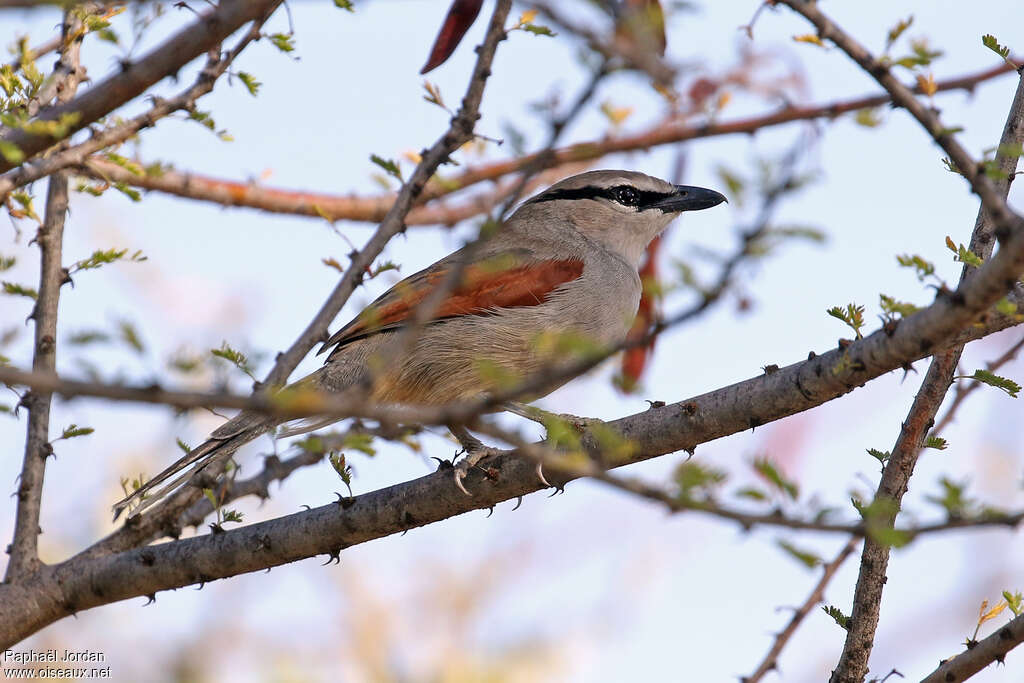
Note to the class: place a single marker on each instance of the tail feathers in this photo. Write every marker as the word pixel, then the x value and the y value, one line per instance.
pixel 231 436
pixel 304 426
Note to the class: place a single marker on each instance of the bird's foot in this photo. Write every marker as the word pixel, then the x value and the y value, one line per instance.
pixel 474 451
pixel 468 462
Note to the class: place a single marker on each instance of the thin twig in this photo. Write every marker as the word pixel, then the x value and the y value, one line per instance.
pixel 133 79
pixel 216 65
pixel 373 209
pixel 965 389
pixel 460 130
pixel 994 219
pixel 771 660
pixel 331 207
pixel 24 549
pixel 1004 219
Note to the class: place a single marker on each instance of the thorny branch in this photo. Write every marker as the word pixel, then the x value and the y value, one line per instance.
pixel 331 207
pixel 1004 220
pixel 135 78
pixel 965 389
pixel 995 220
pixel 216 65
pixel 980 654
pixel 372 209
pixel 771 660
pixel 155 523
pixel 24 549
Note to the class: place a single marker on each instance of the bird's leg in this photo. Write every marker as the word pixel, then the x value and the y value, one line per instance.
pixel 474 450
pixel 545 418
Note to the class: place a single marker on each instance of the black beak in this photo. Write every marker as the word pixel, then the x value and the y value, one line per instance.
pixel 689 198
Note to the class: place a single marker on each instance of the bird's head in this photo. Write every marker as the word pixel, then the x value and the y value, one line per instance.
pixel 624 210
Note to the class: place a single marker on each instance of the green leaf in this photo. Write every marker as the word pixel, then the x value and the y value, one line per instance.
pixel 102 257
pixel 852 315
pixel 880 456
pixel 923 268
pixel 11 153
pixel 359 442
pixel 108 35
pixel 868 117
pixel 235 357
pixel 231 516
pixel 1006 307
pixel 837 616
pixel 989 378
pixel 963 254
pixel 7 262
pixel 86 337
pixel 344 4
pixel 806 558
pixel 894 307
pixel 344 470
pixel 954 499
pixel 896 31
pixel 14 289
pixel 283 42
pixel 130 336
pixel 538 30
pixel 185 448
pixel 696 481
pixel 383 268
pixel 1015 601
pixel 752 493
pixel 936 442
pixel 886 535
pixel 989 41
pixel 389 166
pixel 951 166
pixel 129 192
pixel 766 468
pixel 125 163
pixel 250 82
pixel 73 430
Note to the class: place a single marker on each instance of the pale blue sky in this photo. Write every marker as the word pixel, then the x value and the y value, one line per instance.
pixel 630 592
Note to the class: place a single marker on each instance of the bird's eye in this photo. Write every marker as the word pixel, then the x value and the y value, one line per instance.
pixel 626 196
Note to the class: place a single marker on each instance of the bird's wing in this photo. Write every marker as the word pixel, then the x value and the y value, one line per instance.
pixel 507 279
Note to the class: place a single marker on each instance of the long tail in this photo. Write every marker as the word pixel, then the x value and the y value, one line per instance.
pixel 221 445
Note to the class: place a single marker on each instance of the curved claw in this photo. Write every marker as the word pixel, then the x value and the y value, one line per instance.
pixel 540 475
pixel 459 476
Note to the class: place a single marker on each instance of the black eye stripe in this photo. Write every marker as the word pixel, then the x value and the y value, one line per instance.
pixel 645 197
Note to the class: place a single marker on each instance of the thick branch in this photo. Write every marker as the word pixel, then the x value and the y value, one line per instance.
pixel 979 655
pixel 24 550
pixel 133 79
pixel 97 578
pixel 460 131
pixel 853 663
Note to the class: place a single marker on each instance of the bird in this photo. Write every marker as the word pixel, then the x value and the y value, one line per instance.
pixel 564 265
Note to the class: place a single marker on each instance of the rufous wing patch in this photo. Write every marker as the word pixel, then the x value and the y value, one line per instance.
pixel 496 283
